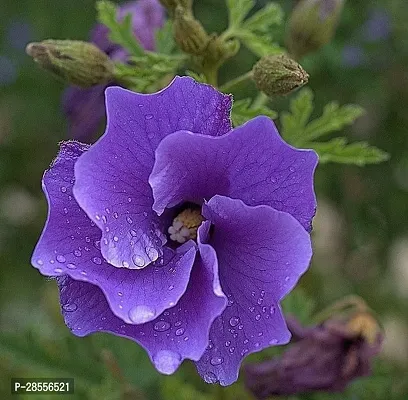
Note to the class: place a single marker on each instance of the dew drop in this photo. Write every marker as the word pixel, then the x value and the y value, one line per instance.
pixel 227 343
pixel 70 307
pixel 152 253
pixel 71 266
pixel 171 287
pixel 61 259
pixel 273 341
pixel 138 261
pixel 97 244
pixel 115 215
pixel 58 270
pixel 115 239
pixel 216 360
pixel 63 189
pixel 246 341
pixel 166 361
pixel 231 349
pixel 179 332
pixel 210 377
pixel 178 323
pixel 129 220
pixel 141 314
pixel 234 321
pixel 258 317
pixel 77 253
pixel 149 116
pixel 40 262
pixel 161 326
pixel 104 219
pixel 125 264
pixel 260 301
pixel 97 260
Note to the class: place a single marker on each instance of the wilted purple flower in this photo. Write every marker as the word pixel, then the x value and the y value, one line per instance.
pixel 326 357
pixel 85 108
pixel 124 213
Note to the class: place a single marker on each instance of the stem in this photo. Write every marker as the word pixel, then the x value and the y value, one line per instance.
pixel 211 75
pixel 236 81
pixel 260 100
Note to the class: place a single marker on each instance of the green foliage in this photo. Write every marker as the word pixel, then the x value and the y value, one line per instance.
pixel 254 31
pixel 244 110
pixel 120 32
pixel 147 73
pixel 176 388
pixel 298 130
pixel 165 43
pixel 197 76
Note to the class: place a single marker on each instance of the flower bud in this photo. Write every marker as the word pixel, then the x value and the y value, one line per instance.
pixel 278 75
pixel 171 5
pixel 80 63
pixel 312 25
pixel 189 34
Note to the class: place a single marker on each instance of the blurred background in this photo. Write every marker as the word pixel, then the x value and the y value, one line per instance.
pixel 360 231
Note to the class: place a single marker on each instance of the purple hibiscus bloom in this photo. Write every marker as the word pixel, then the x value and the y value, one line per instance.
pixel 177 232
pixel 85 108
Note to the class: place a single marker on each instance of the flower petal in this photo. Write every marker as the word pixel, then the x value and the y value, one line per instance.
pixel 179 333
pixel 261 253
pixel 84 109
pixel 251 163
pixel 113 174
pixel 70 244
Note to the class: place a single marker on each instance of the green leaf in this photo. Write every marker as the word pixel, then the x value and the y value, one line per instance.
pixel 261 21
pixel 261 45
pixel 165 43
pixel 294 123
pixel 238 10
pixel 337 150
pixel 243 111
pixel 121 33
pixel 334 118
pixel 199 77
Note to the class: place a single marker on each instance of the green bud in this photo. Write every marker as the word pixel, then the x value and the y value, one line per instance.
pixel 278 75
pixel 312 25
pixel 189 34
pixel 171 5
pixel 80 63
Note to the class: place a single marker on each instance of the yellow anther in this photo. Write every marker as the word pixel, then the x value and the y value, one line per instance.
pixel 185 225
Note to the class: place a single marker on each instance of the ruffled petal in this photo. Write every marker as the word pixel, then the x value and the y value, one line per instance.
pixel 261 254
pixel 112 177
pixel 179 333
pixel 251 163
pixel 70 244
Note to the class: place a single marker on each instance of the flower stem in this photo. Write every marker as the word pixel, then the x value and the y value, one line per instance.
pixel 236 81
pixel 260 100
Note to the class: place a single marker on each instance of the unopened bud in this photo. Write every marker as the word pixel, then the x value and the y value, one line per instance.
pixel 312 25
pixel 80 63
pixel 278 75
pixel 189 33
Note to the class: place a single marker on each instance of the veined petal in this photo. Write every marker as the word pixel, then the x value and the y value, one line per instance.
pixel 261 253
pixel 251 163
pixel 113 174
pixel 180 332
pixel 70 244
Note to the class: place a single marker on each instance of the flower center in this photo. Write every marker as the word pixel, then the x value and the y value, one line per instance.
pixel 185 225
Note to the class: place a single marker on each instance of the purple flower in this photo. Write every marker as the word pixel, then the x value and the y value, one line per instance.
pixel 325 357
pixel 124 213
pixel 85 108
pixel 377 27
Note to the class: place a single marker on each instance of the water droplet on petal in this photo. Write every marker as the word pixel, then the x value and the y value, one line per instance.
pixel 178 323
pixel 63 189
pixel 97 260
pixel 171 287
pixel 167 361
pixel 61 259
pixel 77 253
pixel 129 220
pixel 234 321
pixel 115 215
pixel 227 343
pixel 71 266
pixel 216 360
pixel 58 270
pixel 141 314
pixel 120 294
pixel 138 261
pixel 161 326
pixel 40 262
pixel 210 377
pixel 70 307
pixel 273 341
pixel 258 317
pixel 149 116
pixel 125 264
pixel 179 332
pixel 231 349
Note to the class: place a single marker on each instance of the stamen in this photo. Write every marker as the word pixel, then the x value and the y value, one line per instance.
pixel 185 225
